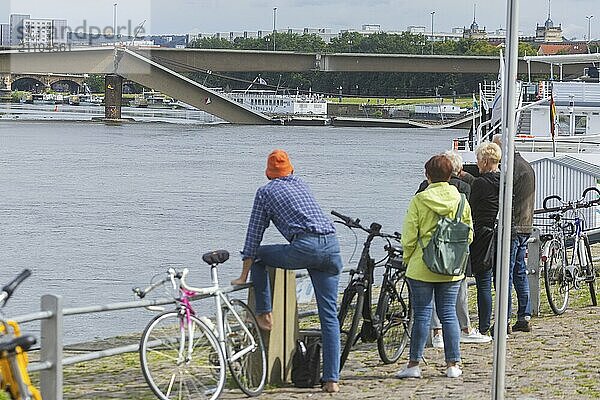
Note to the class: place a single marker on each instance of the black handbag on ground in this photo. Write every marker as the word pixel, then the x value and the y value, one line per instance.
pixel 306 364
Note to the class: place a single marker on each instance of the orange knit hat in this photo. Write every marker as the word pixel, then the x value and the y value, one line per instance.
pixel 278 165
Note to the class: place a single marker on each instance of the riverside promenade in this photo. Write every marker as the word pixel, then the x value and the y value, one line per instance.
pixel 559 359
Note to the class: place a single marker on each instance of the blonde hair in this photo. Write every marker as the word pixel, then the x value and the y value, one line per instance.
pixel 489 151
pixel 456 160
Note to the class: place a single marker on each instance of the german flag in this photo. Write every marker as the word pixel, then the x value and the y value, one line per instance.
pixel 552 115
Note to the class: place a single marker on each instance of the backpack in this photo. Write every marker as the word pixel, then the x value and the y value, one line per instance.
pixel 448 250
pixel 306 364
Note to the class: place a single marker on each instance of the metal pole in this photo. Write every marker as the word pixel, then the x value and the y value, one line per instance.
pixel 115 23
pixel 51 380
pixel 533 270
pixel 506 190
pixel 274 25
pixel 432 14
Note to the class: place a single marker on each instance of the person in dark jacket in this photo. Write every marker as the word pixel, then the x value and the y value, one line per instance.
pixel 521 227
pixel 484 202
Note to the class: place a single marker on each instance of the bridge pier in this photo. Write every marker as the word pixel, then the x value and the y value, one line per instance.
pixel 113 96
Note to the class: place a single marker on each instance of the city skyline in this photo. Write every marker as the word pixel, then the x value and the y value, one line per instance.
pixel 213 16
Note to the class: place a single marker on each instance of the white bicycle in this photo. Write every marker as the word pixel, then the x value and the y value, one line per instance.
pixel 184 356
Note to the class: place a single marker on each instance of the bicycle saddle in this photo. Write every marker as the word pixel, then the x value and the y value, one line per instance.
pixel 24 342
pixel 216 257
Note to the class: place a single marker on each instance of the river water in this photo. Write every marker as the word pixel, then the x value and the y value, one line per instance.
pixel 94 210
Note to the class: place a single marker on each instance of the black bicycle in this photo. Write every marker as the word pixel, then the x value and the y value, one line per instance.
pixel 390 322
pixel 566 254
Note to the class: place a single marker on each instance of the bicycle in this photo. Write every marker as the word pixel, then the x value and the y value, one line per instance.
pixel 183 355
pixel 390 323
pixel 14 378
pixel 566 254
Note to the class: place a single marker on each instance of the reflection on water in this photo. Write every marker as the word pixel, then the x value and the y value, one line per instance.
pixel 95 210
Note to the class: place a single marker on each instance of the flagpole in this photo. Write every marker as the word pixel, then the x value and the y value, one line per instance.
pixel 509 107
pixel 552 119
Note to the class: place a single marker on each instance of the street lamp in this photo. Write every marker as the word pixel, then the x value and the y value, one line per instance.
pixel 274 25
pixel 115 22
pixel 432 14
pixel 589 18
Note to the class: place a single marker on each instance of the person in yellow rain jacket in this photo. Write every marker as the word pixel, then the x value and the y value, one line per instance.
pixel 440 199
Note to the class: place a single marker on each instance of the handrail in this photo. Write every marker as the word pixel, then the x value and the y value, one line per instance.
pixel 52 343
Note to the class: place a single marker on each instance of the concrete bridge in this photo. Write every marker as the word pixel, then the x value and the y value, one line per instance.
pixel 40 82
pixel 162 69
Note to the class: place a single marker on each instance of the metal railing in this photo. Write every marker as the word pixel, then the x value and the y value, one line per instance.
pixel 52 313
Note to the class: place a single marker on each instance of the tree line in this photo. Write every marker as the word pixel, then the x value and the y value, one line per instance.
pixel 398 85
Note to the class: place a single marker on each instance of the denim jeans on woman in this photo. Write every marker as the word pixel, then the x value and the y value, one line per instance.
pixel 320 255
pixel 422 298
pixel 518 276
pixel 483 282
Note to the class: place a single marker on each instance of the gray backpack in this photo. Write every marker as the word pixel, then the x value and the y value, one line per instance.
pixel 448 250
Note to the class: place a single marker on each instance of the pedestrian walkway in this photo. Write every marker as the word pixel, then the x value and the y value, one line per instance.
pixel 559 359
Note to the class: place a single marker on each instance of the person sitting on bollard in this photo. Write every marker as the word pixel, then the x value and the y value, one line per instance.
pixel 421 221
pixel 288 202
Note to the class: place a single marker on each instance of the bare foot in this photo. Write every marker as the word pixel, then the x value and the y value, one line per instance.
pixel 265 321
pixel 238 281
pixel 331 387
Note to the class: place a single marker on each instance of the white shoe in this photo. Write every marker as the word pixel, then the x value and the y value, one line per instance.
pixel 412 372
pixel 474 337
pixel 453 372
pixel 437 341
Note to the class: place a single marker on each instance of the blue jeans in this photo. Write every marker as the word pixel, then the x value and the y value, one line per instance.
pixel 320 255
pixel 483 282
pixel 422 298
pixel 518 276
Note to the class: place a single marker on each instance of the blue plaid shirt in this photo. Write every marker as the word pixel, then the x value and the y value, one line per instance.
pixel 289 203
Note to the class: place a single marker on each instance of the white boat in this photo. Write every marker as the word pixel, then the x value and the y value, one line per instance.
pixel 565 163
pixel 273 103
pixel 576 122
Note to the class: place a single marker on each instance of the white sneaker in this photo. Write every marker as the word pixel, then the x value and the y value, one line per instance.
pixel 412 372
pixel 437 341
pixel 453 372
pixel 474 337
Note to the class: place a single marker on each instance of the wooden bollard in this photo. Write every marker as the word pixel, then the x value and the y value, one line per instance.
pixel 281 341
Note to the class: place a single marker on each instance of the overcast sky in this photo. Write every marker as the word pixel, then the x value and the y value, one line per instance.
pixel 184 16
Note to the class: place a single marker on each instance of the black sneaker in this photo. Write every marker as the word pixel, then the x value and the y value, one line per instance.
pixel 509 330
pixel 522 326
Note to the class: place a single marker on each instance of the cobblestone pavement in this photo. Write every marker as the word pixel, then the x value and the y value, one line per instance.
pixel 559 359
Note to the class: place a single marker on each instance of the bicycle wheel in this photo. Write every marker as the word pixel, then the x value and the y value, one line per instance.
pixel 180 363
pixel 590 271
pixel 248 364
pixel 349 317
pixel 394 310
pixel 555 279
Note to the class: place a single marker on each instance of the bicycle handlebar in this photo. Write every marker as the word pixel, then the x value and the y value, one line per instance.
pixel 571 205
pixel 374 229
pixel 9 288
pixel 349 222
pixel 591 189
pixel 141 293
